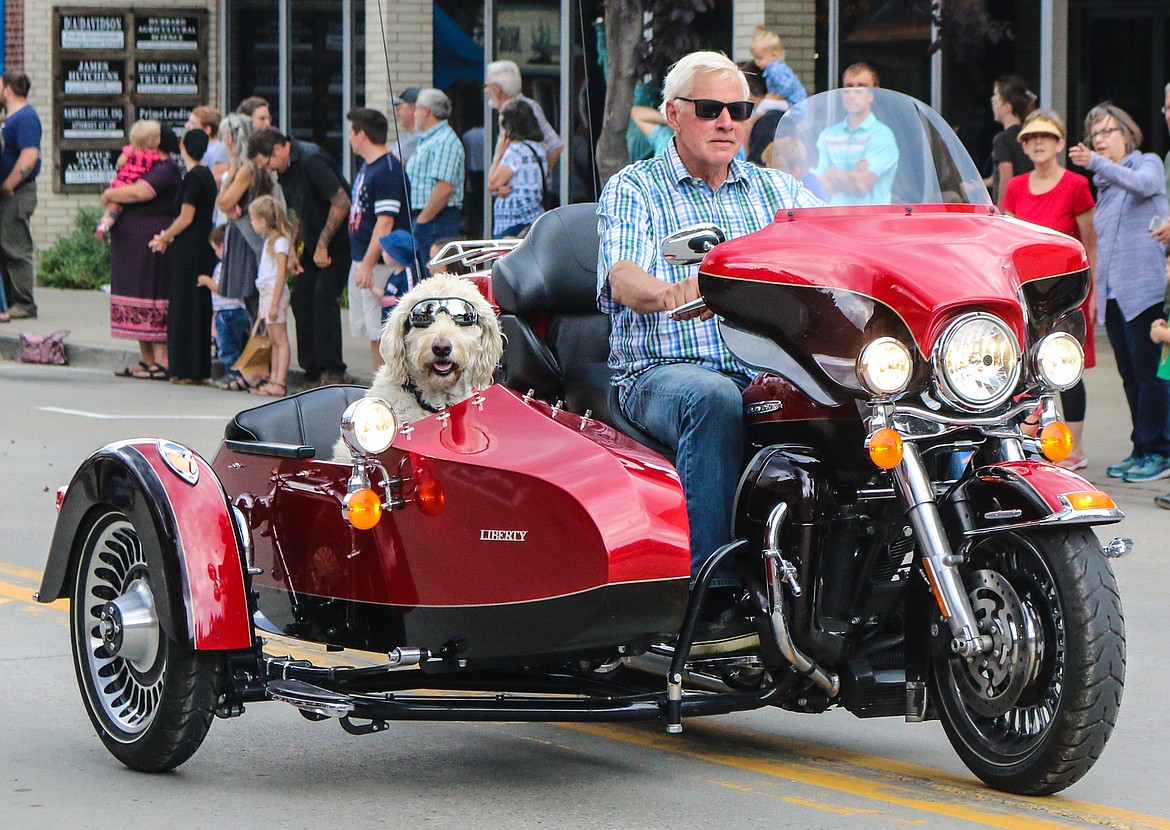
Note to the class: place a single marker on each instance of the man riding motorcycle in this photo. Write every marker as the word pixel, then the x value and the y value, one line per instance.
pixel 676 378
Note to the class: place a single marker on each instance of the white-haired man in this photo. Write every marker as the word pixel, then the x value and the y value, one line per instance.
pixel 436 174
pixel 501 84
pixel 676 378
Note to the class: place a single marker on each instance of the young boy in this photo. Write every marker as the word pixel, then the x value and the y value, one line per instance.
pixel 768 54
pixel 398 253
pixel 232 323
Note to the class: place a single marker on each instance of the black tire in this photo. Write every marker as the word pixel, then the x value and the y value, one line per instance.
pixel 1037 724
pixel 152 701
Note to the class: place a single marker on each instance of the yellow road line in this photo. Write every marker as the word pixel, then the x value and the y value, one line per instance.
pixel 913 787
pixel 882 780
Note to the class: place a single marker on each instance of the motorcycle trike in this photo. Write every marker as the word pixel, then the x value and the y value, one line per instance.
pixel 906 548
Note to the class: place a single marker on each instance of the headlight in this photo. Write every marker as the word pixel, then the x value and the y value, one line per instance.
pixel 368 426
pixel 884 366
pixel 1060 360
pixel 977 362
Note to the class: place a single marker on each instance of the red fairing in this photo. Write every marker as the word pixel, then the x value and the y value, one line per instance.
pixel 216 602
pixel 1047 480
pixel 923 261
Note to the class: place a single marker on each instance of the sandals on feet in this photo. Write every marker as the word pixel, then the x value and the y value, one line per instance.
pixel 141 371
pixel 1073 464
pixel 270 390
pixel 231 383
pixel 157 372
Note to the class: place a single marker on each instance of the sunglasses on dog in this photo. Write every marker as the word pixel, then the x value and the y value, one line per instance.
pixel 461 312
pixel 708 109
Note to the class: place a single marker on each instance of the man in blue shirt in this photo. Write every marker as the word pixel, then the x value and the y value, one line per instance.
pixel 20 162
pixel 858 157
pixel 436 174
pixel 379 196
pixel 676 378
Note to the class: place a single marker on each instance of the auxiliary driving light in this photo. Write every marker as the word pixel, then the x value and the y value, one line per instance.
pixel 884 366
pixel 368 426
pixel 362 508
pixel 1060 360
pixel 1056 441
pixel 885 448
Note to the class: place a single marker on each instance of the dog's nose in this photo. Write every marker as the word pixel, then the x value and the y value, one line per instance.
pixel 441 348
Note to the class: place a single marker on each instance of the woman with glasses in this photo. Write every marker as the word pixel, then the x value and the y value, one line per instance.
pixel 1131 281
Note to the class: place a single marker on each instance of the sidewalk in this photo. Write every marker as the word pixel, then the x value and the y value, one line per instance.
pixel 86 314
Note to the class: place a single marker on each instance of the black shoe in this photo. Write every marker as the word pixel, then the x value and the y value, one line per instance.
pixel 1163 501
pixel 731 631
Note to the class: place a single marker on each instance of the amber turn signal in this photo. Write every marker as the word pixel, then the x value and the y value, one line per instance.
pixel 1090 500
pixel 885 448
pixel 1056 441
pixel 363 508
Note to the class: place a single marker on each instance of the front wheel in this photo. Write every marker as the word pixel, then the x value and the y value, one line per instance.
pixel 1033 715
pixel 150 697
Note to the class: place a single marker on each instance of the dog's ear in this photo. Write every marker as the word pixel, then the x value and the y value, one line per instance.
pixel 491 341
pixel 393 346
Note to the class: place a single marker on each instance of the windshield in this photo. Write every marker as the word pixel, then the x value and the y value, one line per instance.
pixel 866 146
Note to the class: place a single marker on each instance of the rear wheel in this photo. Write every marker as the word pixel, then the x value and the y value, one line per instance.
pixel 1033 715
pixel 150 697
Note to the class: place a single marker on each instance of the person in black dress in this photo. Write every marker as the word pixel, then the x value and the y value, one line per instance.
pixel 189 321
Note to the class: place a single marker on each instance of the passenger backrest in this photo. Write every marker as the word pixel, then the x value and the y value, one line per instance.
pixel 547 289
pixel 308 419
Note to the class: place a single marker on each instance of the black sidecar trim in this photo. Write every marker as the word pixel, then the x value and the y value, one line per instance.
pixel 586 623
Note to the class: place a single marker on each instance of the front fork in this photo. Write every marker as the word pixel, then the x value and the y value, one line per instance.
pixel 938 560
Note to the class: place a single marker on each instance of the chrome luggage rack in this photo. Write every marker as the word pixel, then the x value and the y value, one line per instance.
pixel 472 254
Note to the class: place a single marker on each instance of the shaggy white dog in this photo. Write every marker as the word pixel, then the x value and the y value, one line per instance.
pixel 432 366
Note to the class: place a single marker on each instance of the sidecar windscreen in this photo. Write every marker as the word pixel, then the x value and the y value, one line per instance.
pixel 867 146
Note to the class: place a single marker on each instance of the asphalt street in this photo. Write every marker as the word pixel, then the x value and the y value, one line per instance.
pixel 273 768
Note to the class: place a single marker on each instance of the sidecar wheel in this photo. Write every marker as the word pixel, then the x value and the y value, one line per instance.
pixel 150 697
pixel 1035 718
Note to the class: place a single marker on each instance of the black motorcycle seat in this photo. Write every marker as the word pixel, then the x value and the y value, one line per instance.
pixel 589 388
pixel 555 268
pixel 307 419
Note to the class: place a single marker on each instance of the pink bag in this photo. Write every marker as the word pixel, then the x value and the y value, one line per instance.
pixel 44 348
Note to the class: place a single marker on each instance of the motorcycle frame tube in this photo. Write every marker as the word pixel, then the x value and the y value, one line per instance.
pixel 186 530
pixel 917 494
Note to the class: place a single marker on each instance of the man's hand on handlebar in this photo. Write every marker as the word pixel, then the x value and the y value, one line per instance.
pixel 683 293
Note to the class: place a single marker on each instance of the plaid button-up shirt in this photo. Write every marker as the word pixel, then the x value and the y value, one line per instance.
pixel 651 199
pixel 437 157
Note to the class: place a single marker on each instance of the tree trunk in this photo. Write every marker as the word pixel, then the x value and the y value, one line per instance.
pixel 623 33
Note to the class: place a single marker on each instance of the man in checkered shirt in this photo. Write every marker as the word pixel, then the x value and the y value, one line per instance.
pixel 436 174
pixel 676 378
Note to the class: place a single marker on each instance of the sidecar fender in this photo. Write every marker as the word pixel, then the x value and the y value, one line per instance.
pixel 1017 494
pixel 181 512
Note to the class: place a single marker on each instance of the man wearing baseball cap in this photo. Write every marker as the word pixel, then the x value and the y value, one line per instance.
pixel 408 133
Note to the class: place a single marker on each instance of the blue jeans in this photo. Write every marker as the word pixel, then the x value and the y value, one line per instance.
pixel 425 235
pixel 232 327
pixel 1148 395
pixel 699 412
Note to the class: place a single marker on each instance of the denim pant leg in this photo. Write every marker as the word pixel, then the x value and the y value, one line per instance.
pixel 232 327
pixel 445 224
pixel 699 412
pixel 1151 417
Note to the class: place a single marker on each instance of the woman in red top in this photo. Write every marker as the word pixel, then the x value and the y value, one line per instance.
pixel 1056 198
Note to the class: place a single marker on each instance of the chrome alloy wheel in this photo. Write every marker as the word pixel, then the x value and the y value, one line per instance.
pixel 121 642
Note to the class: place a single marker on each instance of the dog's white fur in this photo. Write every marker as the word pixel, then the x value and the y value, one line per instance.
pixel 409 353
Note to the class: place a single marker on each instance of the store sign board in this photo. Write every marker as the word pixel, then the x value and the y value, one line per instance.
pixel 93 77
pixel 167 33
pixel 93 122
pixel 168 78
pixel 92 31
pixel 88 166
pixel 173 117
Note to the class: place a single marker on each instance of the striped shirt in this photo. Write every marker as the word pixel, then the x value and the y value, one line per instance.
pixel 437 158
pixel 843 147
pixel 651 199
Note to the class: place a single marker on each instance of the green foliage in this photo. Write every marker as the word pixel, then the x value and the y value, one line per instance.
pixel 77 260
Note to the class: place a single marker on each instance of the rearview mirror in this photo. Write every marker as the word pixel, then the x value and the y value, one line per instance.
pixel 690 244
